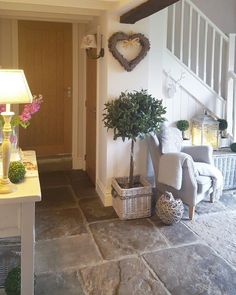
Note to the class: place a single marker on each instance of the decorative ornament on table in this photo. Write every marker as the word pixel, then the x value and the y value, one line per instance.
pixel 16 172
pixel 22 120
pixel 169 209
pixel 128 40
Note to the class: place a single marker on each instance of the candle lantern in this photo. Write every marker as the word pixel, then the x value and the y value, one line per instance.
pixel 205 130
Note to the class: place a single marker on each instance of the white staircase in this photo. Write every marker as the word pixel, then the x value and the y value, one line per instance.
pixel 198 47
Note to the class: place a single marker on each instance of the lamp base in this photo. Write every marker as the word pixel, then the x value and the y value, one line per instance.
pixel 7 187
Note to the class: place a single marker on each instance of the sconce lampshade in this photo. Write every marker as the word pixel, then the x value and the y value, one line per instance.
pixel 14 88
pixel 205 130
pixel 89 41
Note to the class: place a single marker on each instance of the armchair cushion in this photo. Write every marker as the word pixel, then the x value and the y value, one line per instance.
pixel 201 153
pixel 170 139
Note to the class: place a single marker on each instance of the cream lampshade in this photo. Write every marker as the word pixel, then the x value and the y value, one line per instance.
pixel 14 89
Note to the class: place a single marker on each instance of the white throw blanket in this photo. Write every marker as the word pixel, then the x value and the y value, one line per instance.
pixel 205 169
pixel 171 172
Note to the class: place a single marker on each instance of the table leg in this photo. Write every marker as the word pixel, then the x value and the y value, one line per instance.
pixel 27 248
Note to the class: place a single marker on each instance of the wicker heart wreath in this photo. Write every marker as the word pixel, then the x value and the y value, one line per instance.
pixel 122 37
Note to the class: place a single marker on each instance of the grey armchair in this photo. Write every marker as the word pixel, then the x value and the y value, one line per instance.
pixel 194 187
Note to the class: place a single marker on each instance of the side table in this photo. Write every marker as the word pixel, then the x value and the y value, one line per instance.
pixel 17 218
pixel 225 161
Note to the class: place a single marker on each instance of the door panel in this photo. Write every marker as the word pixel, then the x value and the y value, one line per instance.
pixel 45 54
pixel 91 101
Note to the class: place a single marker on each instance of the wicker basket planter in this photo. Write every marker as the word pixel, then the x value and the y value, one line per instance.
pixel 134 202
pixel 225 161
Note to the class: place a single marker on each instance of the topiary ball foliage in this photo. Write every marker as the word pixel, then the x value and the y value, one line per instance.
pixel 13 282
pixel 182 125
pixel 223 124
pixel 133 114
pixel 16 172
pixel 233 147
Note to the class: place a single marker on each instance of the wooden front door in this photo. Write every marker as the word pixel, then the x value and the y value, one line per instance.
pixel 45 54
pixel 91 101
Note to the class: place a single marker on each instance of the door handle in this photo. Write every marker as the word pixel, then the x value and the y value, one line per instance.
pixel 68 92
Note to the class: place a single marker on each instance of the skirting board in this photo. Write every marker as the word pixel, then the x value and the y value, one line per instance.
pixel 78 163
pixel 105 195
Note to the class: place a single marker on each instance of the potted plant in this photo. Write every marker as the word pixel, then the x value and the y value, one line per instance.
pixel 131 116
pixel 13 281
pixel 183 125
pixel 223 139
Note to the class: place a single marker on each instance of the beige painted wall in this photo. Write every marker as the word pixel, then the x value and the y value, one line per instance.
pixel 114 155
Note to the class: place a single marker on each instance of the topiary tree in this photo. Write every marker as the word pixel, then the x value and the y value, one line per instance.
pixel 182 125
pixel 132 115
pixel 223 125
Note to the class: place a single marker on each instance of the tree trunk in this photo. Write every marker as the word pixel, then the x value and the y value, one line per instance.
pixel 131 168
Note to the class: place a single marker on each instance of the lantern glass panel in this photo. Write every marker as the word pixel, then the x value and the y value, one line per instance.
pixel 205 131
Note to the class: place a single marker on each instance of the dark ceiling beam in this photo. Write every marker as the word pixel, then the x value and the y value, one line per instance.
pixel 144 10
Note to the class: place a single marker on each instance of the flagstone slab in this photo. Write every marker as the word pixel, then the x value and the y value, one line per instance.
pixel 60 254
pixel 118 238
pixel 94 210
pixel 219 231
pixel 57 198
pixel 176 234
pixel 51 224
pixel 193 269
pixel 84 190
pixel 58 284
pixel 126 277
pixel 55 178
pixel 78 176
pixel 206 207
pixel 229 200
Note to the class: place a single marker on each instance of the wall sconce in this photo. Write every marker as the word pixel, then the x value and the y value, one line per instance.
pixel 89 43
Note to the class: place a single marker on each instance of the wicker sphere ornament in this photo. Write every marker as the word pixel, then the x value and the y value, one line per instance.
pixel 169 209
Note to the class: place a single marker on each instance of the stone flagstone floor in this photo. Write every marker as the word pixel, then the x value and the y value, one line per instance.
pixel 83 248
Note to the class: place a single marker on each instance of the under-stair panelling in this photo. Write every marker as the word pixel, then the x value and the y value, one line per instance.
pixel 182 106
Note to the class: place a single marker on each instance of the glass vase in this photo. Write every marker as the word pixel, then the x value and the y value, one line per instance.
pixel 15 151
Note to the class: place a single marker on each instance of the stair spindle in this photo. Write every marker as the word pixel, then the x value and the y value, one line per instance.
pixel 190 37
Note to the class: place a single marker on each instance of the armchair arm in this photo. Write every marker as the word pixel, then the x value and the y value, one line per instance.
pixel 201 153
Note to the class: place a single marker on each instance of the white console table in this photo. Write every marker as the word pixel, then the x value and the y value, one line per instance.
pixel 17 218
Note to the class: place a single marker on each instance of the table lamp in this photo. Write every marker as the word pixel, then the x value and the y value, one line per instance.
pixel 14 89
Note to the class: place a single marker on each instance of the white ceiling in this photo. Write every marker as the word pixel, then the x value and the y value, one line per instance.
pixel 65 10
